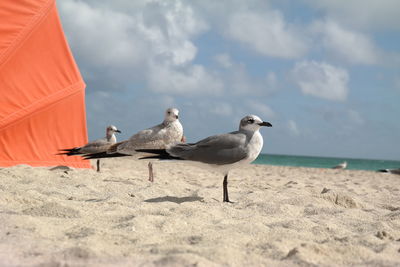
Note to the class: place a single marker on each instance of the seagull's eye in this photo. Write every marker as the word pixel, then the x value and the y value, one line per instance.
pixel 250 121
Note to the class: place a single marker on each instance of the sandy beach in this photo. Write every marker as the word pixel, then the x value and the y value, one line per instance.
pixel 281 216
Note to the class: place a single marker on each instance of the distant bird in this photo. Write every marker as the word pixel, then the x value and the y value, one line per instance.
pixel 167 133
pixel 221 152
pixel 341 166
pixel 96 146
pixel 392 171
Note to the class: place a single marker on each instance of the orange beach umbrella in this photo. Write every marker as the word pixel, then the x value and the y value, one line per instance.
pixel 42 94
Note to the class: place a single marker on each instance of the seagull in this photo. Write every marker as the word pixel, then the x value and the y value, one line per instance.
pixel 341 166
pixel 96 146
pixel 167 133
pixel 392 171
pixel 221 152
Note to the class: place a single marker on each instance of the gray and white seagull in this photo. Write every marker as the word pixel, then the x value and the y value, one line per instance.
pixel 167 133
pixel 222 152
pixel 96 146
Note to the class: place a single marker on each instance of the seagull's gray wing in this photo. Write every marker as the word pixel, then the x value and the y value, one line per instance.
pixel 218 149
pixel 148 138
pixel 157 137
pixel 99 145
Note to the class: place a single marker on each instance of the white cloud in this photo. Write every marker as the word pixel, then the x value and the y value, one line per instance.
pixel 239 81
pixel 346 45
pixel 363 14
pixel 149 44
pixel 260 109
pixel 224 60
pixel 100 36
pixel 321 80
pixel 144 39
pixel 168 26
pixel 192 80
pixel 267 33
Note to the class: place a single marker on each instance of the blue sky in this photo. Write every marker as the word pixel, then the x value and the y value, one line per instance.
pixel 325 73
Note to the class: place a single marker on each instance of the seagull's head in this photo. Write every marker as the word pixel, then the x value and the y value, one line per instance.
pixel 171 114
pixel 252 123
pixel 112 129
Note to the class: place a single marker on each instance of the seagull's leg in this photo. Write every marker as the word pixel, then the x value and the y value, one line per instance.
pixel 225 185
pixel 151 175
pixel 98 165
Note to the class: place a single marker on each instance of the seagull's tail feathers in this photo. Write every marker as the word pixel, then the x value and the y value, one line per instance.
pixel 70 151
pixel 101 155
pixel 158 154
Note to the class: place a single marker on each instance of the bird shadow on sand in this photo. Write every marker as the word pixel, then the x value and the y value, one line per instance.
pixel 177 200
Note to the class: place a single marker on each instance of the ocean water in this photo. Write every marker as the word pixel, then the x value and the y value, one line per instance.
pixel 323 162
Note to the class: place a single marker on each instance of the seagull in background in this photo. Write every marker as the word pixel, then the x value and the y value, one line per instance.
pixel 167 133
pixel 392 171
pixel 96 146
pixel 341 166
pixel 220 152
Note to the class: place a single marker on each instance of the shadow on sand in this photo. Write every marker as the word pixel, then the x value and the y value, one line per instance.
pixel 177 200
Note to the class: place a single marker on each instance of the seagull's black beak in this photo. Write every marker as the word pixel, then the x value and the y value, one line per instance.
pixel 118 131
pixel 264 123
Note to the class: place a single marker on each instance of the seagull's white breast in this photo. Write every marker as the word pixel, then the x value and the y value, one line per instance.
pixel 173 133
pixel 254 146
pixel 113 139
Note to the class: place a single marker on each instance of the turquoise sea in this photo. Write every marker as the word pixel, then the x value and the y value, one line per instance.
pixel 322 162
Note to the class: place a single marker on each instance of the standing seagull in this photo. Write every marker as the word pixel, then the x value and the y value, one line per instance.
pixel 223 152
pixel 392 171
pixel 341 166
pixel 96 146
pixel 165 134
